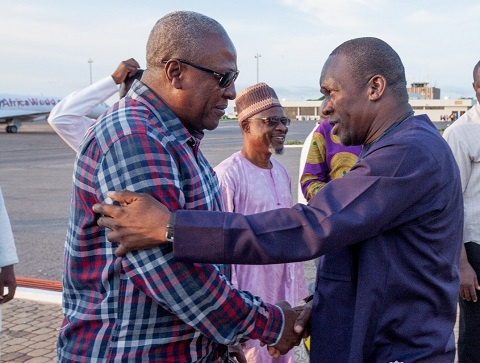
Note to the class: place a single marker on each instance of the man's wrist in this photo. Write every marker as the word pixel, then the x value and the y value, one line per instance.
pixel 272 329
pixel 281 328
pixel 170 228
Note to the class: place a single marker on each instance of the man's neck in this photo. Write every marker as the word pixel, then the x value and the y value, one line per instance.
pixel 387 120
pixel 260 159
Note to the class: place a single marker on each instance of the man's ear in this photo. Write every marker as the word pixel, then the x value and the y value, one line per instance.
pixel 376 87
pixel 174 73
pixel 245 126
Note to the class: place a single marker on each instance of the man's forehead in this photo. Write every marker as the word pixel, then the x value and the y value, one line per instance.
pixel 477 75
pixel 220 48
pixel 218 41
pixel 273 111
pixel 334 62
pixel 334 69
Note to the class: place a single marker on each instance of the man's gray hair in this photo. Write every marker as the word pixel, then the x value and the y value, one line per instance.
pixel 180 34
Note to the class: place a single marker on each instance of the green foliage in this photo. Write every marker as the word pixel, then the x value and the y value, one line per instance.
pixel 317 99
pixel 294 142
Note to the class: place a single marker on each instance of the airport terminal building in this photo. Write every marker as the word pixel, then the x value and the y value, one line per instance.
pixel 437 110
pixel 423 99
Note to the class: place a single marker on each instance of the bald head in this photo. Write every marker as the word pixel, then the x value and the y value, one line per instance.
pixel 180 35
pixel 369 56
pixel 476 70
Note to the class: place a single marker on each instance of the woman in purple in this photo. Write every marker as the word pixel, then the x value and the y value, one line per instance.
pixel 327 159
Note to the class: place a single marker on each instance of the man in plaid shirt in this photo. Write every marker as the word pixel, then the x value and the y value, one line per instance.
pixel 145 306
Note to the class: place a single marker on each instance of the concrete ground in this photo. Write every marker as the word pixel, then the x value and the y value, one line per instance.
pixel 30 331
pixel 30 328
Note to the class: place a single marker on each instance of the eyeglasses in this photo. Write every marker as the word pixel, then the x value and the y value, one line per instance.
pixel 273 121
pixel 224 79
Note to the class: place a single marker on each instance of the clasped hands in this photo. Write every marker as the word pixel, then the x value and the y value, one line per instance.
pixel 296 327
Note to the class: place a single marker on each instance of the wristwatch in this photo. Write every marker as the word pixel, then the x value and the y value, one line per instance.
pixel 169 232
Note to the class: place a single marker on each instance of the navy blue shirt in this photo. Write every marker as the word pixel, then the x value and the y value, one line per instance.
pixel 390 234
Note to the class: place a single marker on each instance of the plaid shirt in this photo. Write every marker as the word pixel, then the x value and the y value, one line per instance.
pixel 145 306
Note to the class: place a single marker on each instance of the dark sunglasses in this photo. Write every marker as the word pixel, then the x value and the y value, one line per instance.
pixel 273 121
pixel 224 79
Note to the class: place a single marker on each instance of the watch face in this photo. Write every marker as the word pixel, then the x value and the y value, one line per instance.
pixel 169 233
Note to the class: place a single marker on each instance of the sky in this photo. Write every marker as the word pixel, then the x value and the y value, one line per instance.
pixel 45 45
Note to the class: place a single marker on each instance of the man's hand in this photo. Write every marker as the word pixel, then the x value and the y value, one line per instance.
pixel 125 69
pixel 289 337
pixel 468 279
pixel 301 328
pixel 138 223
pixel 7 279
pixel 302 325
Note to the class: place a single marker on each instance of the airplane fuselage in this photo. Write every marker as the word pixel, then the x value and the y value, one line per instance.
pixel 27 102
pixel 15 109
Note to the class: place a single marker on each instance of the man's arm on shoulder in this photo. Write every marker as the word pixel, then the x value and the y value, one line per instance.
pixel 356 204
pixel 360 205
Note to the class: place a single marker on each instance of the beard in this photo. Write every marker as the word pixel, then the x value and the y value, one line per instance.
pixel 276 150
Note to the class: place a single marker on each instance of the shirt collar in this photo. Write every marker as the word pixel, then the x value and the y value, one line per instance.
pixel 143 94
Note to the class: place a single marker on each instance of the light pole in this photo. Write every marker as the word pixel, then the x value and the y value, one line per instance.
pixel 258 57
pixel 90 61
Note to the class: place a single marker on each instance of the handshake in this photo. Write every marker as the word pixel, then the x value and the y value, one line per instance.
pixel 296 327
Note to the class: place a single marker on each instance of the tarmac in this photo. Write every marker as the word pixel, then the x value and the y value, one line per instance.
pixel 30 327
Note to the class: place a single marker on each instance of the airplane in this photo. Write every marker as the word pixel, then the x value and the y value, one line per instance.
pixel 15 109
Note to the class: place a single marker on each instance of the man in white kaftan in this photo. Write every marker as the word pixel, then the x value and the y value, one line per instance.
pixel 253 181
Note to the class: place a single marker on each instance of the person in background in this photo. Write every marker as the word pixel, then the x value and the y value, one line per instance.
pixel 327 159
pixel 146 306
pixel 463 138
pixel 303 160
pixel 8 258
pixel 253 181
pixel 69 117
pixel 389 230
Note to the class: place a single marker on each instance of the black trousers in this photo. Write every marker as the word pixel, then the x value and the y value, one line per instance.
pixel 469 329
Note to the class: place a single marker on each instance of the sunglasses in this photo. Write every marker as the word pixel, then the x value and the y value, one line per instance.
pixel 273 121
pixel 224 79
